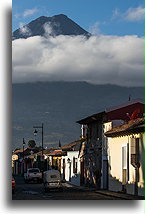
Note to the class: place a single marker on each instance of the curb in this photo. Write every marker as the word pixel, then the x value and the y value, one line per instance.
pixel 115 196
pixel 126 197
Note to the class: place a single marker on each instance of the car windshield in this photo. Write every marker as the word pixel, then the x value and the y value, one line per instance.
pixel 53 176
pixel 33 170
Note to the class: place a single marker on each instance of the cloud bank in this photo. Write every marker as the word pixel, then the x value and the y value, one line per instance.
pixel 99 59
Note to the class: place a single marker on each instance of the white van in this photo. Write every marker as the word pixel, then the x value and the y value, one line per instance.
pixel 52 180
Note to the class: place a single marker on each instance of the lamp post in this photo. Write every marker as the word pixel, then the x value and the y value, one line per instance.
pixel 35 133
pixel 23 153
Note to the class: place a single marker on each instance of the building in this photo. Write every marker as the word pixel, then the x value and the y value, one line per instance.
pixel 20 161
pixel 93 148
pixel 96 148
pixel 70 162
pixel 126 162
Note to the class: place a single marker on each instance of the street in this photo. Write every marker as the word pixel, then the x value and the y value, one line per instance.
pixel 34 191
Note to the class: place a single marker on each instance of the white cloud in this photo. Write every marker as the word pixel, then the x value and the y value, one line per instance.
pixel 99 59
pixel 16 15
pixel 94 29
pixel 49 28
pixel 24 30
pixel 134 14
pixel 131 15
pixel 116 13
pixel 29 12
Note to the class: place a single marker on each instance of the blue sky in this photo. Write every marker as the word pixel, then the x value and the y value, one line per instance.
pixel 111 17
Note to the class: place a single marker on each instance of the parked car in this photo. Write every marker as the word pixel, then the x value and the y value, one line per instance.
pixel 52 180
pixel 33 174
pixel 13 185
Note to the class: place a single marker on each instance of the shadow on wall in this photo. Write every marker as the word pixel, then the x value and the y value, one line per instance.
pixel 117 186
pixel 75 179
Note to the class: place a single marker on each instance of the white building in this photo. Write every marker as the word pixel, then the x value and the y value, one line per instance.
pixel 70 169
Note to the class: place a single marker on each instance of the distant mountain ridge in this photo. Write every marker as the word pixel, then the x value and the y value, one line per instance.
pixel 59 105
pixel 58 25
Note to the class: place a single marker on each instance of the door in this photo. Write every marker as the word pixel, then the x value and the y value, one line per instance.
pixel 70 171
pixel 63 169
pixel 82 173
pixel 105 174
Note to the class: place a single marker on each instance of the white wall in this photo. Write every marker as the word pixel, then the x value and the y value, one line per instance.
pixel 106 127
pixel 75 178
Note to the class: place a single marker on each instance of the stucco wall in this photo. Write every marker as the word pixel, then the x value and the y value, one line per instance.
pixel 115 164
pixel 75 177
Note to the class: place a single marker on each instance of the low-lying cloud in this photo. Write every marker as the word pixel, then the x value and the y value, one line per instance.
pixel 24 30
pixel 99 59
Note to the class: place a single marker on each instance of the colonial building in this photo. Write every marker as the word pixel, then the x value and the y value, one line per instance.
pixel 71 164
pixel 20 160
pixel 126 162
pixel 95 155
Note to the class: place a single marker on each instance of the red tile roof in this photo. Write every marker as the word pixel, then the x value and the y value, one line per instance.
pixel 126 128
pixel 19 151
pixel 58 151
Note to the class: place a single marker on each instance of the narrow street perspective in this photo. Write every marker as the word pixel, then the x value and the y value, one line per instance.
pixel 35 191
pixel 106 162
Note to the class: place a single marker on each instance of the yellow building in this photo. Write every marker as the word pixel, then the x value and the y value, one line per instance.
pixel 126 157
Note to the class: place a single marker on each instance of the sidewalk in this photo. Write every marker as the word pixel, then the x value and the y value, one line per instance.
pixel 106 192
pixel 83 188
pixel 120 195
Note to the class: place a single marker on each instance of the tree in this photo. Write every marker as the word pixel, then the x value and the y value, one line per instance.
pixel 31 143
pixel 59 143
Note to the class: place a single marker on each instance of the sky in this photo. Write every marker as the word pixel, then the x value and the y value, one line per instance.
pixel 114 54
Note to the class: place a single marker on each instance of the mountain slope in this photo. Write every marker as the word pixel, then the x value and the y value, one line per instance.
pixel 56 25
pixel 59 105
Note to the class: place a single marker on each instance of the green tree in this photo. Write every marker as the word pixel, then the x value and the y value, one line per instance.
pixel 31 143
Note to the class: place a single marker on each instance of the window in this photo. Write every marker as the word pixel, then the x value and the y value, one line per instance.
pixel 75 165
pixel 135 151
pixel 124 164
pixel 34 170
pixel 53 176
pixel 124 157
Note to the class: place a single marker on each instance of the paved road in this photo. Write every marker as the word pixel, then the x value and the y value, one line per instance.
pixel 34 191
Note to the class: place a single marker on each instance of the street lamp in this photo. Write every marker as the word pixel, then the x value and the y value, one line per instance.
pixel 23 153
pixel 35 133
